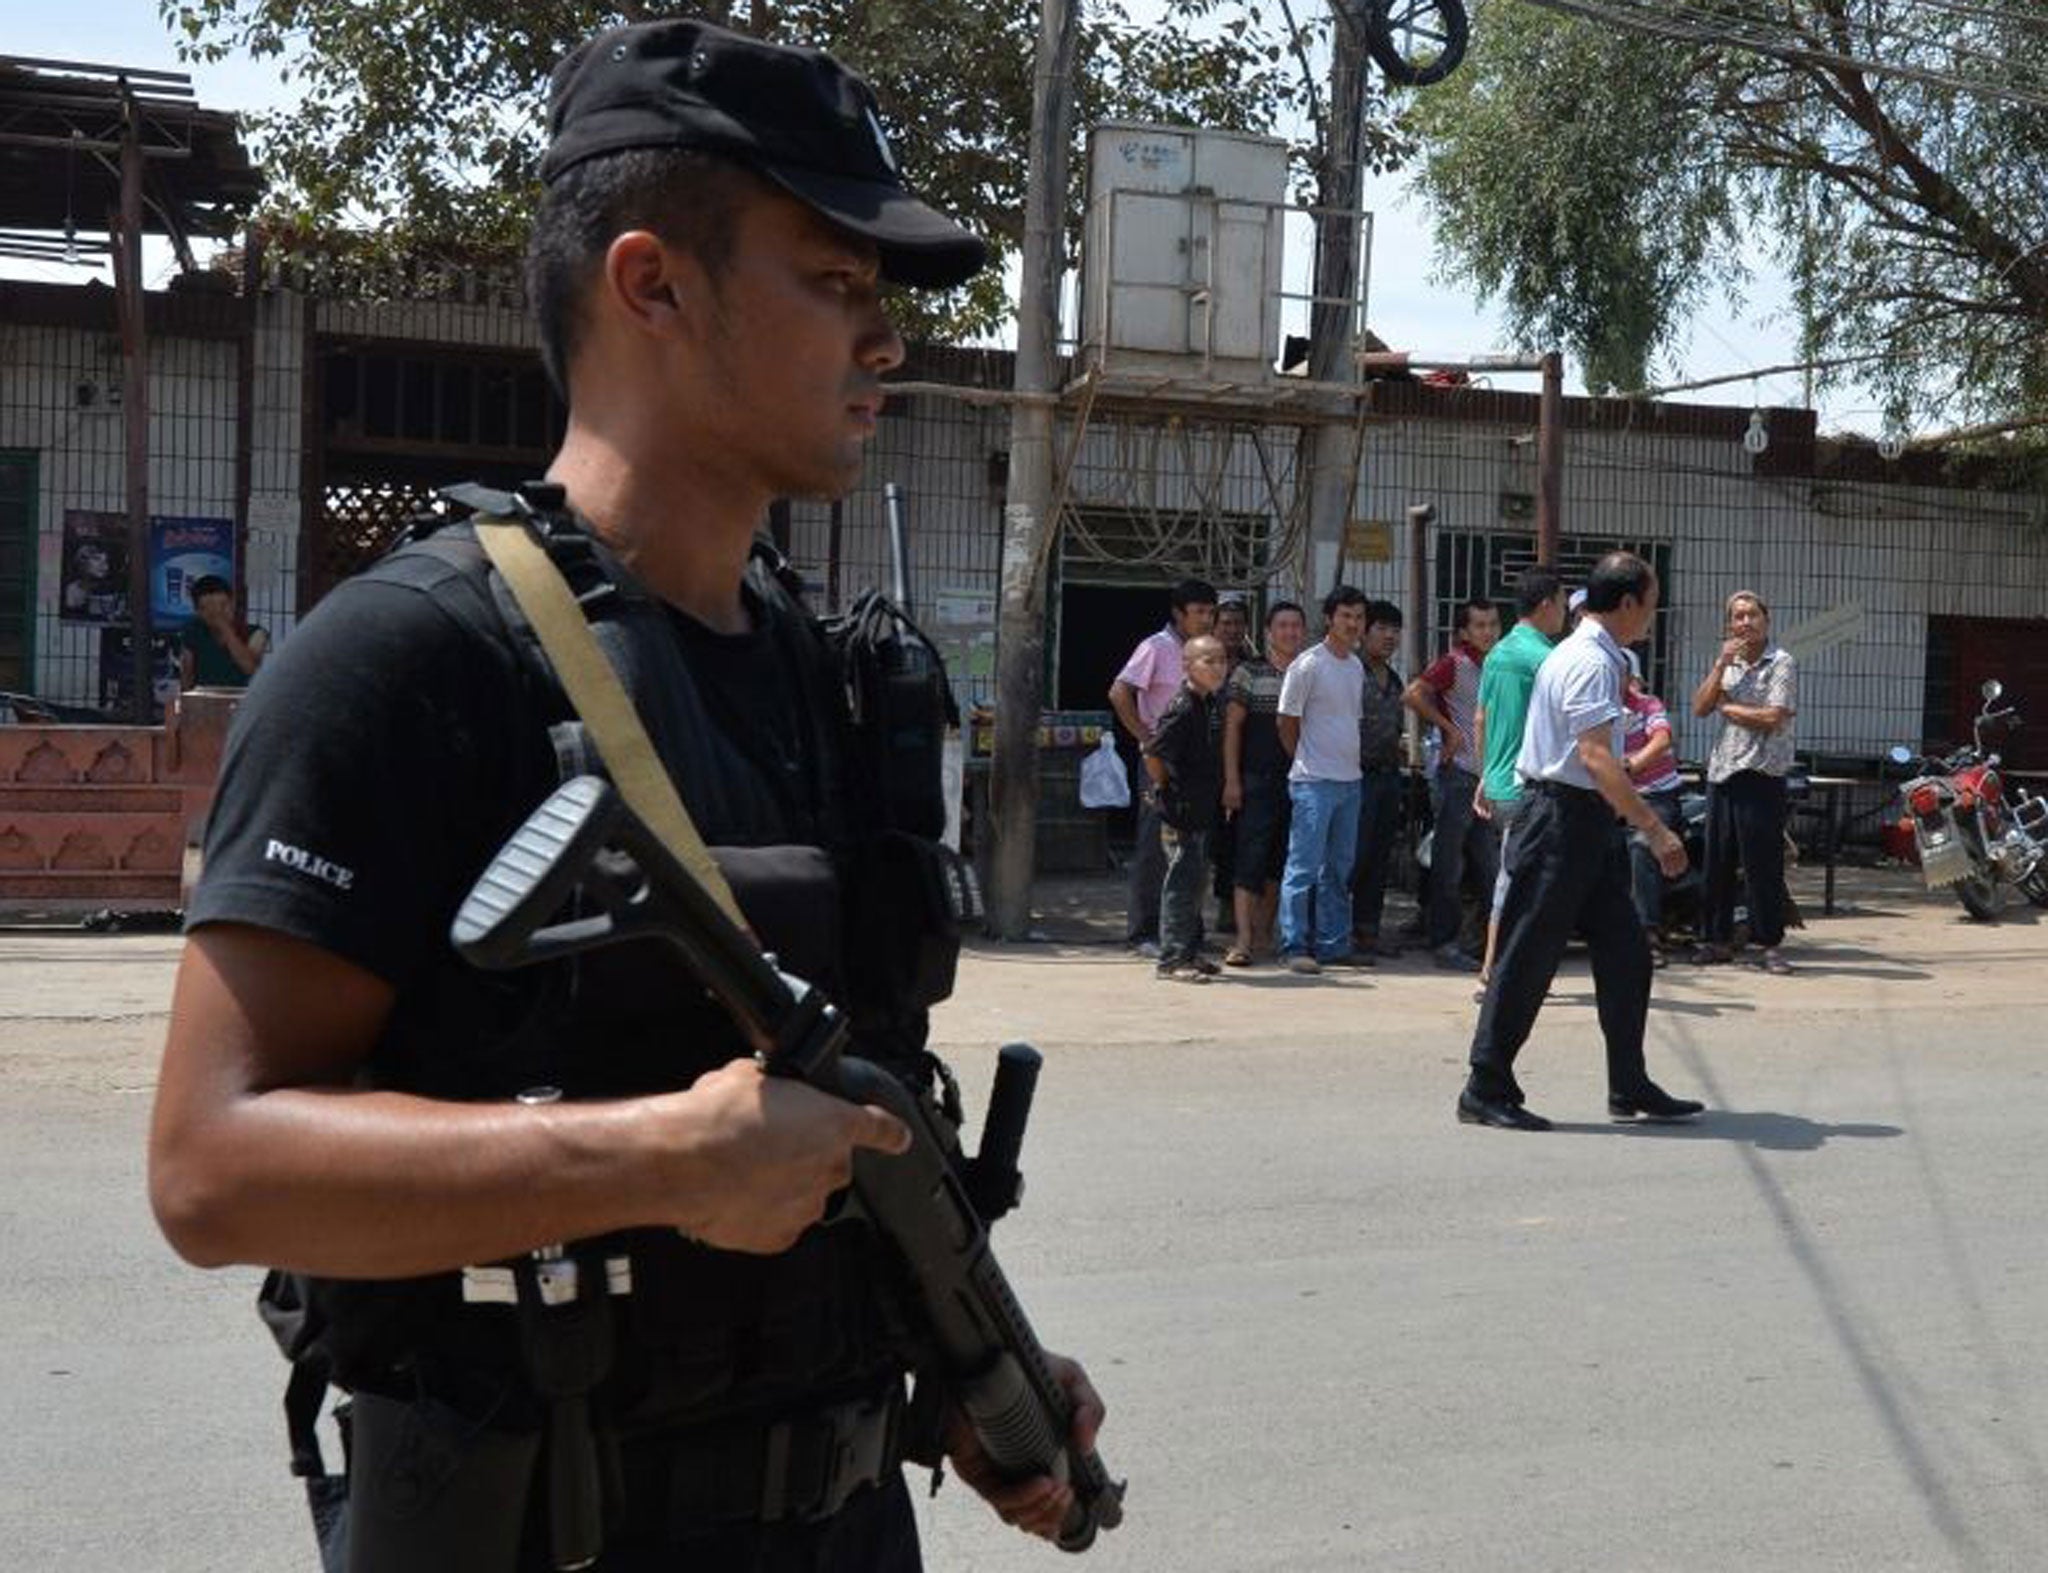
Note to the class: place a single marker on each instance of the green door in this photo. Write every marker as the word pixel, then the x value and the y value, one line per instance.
pixel 17 568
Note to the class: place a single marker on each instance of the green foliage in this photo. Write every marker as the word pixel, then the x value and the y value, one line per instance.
pixel 1605 185
pixel 421 121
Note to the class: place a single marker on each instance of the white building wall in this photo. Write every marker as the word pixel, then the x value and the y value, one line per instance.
pixel 60 397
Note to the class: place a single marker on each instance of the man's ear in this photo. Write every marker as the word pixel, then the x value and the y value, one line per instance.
pixel 644 284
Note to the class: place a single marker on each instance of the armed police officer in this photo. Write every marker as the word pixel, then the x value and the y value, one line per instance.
pixel 342 1098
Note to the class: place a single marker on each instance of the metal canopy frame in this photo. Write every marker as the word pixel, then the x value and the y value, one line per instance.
pixel 64 126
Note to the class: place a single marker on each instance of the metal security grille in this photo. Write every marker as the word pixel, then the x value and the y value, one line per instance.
pixel 1491 563
pixel 358 523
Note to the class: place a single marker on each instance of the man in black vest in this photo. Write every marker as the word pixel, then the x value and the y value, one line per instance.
pixel 342 1097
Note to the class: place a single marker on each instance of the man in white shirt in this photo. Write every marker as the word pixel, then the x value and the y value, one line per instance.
pixel 1320 704
pixel 1569 864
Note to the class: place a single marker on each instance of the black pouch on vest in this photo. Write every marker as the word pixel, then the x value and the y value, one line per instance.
pixel 789 896
pixel 908 902
pixel 432 1489
pixel 899 706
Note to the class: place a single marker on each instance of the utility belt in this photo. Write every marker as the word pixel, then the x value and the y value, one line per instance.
pixel 800 1469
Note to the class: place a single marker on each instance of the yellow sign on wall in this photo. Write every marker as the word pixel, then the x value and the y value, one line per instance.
pixel 1369 541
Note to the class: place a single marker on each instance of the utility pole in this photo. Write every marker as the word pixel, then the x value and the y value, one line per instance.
pixel 1324 453
pixel 135 412
pixel 1027 521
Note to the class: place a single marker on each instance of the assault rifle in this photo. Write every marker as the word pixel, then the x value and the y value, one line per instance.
pixel 584 842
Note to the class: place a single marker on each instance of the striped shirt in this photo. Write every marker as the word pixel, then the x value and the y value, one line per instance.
pixel 1455 677
pixel 1578 688
pixel 1256 686
pixel 1647 718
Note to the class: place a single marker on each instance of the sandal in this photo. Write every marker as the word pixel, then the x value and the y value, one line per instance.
pixel 1237 956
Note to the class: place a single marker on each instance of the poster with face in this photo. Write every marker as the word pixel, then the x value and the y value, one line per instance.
pixel 94 586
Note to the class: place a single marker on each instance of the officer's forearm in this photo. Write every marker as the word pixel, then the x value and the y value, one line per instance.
pixel 369 1184
pixel 263 1150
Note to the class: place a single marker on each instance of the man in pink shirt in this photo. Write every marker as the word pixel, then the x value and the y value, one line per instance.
pixel 1139 696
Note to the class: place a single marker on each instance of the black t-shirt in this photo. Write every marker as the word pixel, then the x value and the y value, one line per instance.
pixel 379 759
pixel 1189 742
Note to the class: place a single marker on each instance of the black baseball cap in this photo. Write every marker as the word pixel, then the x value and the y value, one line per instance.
pixel 795 116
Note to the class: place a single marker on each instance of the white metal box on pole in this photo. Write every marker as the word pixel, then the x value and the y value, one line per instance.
pixel 1181 252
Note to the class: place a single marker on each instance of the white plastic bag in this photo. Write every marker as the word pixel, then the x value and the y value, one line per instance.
pixel 1103 782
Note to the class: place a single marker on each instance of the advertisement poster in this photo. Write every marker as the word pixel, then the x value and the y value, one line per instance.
pixel 95 569
pixel 117 647
pixel 94 587
pixel 180 551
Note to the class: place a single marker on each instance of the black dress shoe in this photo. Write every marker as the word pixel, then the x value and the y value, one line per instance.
pixel 1651 1102
pixel 1473 1109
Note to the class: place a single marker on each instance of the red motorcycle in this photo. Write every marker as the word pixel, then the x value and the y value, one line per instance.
pixel 1971 835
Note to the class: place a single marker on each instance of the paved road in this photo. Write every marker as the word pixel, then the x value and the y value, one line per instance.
pixel 1337 1330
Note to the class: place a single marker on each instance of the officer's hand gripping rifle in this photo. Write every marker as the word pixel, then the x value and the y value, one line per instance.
pixel 585 841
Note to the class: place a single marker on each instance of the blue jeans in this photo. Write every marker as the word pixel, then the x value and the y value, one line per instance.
pixel 1321 847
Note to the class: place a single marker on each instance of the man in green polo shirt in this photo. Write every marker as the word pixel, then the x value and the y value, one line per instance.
pixel 1505 683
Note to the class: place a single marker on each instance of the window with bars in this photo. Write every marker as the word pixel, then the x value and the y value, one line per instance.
pixel 1490 563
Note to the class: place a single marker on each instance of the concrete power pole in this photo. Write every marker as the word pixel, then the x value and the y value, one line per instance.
pixel 1325 453
pixel 1027 525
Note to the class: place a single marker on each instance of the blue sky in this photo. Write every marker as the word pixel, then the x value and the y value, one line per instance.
pixel 1410 307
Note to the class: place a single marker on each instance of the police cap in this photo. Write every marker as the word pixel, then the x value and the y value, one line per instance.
pixel 795 116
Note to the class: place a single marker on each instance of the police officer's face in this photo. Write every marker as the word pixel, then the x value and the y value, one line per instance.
pixel 784 353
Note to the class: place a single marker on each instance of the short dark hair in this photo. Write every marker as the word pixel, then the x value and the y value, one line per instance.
pixel 1469 608
pixel 1192 592
pixel 1278 607
pixel 691 200
pixel 1382 614
pixel 208 584
pixel 1343 595
pixel 1615 578
pixel 1536 586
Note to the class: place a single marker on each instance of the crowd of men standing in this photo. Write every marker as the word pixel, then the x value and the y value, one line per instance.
pixel 1555 799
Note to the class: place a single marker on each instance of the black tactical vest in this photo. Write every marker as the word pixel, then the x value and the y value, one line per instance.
pixel 705 1334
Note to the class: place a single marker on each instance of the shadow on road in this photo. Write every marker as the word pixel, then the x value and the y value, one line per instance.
pixel 1761 1128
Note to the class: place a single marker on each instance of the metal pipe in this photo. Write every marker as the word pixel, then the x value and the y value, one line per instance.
pixel 1550 460
pixel 1401 360
pixel 899 557
pixel 1420 517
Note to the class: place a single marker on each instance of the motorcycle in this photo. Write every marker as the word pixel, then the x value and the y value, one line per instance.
pixel 1971 835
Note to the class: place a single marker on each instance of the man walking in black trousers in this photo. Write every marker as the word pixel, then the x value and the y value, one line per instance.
pixel 1569 868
